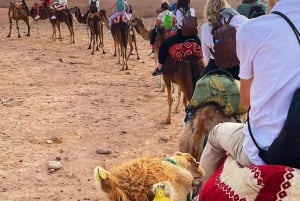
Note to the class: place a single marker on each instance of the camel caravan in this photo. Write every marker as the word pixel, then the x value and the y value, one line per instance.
pixel 209 99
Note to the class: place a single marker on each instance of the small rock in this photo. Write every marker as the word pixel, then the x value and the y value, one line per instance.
pixel 164 138
pixel 103 151
pixel 49 141
pixel 54 165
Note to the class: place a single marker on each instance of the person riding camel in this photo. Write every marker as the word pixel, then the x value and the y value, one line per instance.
pixel 58 6
pixel 118 9
pixel 37 5
pixel 165 18
pixel 93 7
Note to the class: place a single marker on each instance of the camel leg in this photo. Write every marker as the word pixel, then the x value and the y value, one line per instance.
pixel 97 42
pixel 101 40
pixel 59 31
pixel 170 100
pixel 71 33
pixel 178 97
pixel 28 27
pixel 126 57
pixel 17 24
pixel 10 26
pixel 90 39
pixel 134 41
pixel 53 31
pixel 93 40
pixel 115 44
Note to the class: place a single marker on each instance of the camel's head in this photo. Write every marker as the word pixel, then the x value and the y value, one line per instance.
pixel 108 184
pixel 188 162
pixel 74 10
pixel 137 21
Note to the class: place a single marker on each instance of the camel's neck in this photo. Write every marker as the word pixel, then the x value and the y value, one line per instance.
pixel 142 31
pixel 105 20
pixel 79 17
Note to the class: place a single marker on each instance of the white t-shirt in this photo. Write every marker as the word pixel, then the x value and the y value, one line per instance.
pixel 270 54
pixel 179 16
pixel 207 38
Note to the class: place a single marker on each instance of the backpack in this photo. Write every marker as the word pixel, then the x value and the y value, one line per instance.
pixel 224 39
pixel 256 11
pixel 189 25
pixel 285 148
pixel 93 6
pixel 168 21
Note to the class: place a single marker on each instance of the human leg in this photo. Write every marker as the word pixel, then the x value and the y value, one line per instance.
pixel 111 19
pixel 224 138
pixel 37 7
pixel 164 51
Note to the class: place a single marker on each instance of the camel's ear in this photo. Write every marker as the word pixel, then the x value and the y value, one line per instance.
pixel 100 174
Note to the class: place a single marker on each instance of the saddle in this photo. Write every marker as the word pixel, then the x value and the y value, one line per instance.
pixel 186 49
pixel 220 89
pixel 120 18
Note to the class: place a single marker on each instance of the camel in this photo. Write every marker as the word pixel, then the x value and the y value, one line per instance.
pixel 96 31
pixel 139 179
pixel 139 27
pixel 61 16
pixel 45 13
pixel 131 35
pixel 120 33
pixel 65 16
pixel 18 11
pixel 94 25
pixel 184 73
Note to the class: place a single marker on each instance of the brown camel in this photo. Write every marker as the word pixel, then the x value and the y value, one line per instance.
pixel 195 131
pixel 120 33
pixel 18 11
pixel 64 16
pixel 45 13
pixel 131 39
pixel 96 27
pixel 183 73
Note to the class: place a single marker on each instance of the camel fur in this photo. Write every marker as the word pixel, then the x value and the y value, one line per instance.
pixel 135 179
pixel 193 133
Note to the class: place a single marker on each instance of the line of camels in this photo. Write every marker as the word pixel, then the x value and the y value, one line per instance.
pixel 183 73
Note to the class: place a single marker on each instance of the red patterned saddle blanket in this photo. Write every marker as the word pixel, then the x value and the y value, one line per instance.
pixel 260 183
pixel 120 18
pixel 182 50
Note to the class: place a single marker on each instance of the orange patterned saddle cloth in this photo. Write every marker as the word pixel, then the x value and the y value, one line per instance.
pixel 183 50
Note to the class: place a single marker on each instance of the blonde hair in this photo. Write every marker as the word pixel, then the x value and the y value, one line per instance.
pixel 212 10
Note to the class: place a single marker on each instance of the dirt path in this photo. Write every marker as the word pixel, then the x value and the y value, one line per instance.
pixel 59 101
